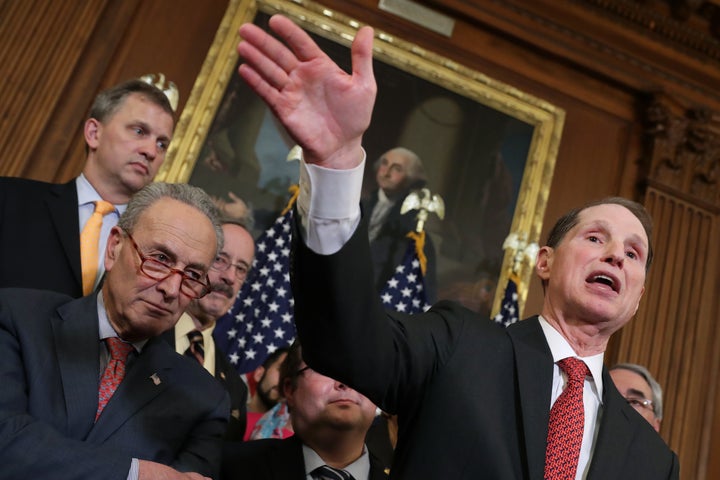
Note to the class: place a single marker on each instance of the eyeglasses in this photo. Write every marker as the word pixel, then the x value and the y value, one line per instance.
pixel 157 270
pixel 222 263
pixel 640 403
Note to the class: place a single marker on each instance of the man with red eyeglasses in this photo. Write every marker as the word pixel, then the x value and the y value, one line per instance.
pixel 89 390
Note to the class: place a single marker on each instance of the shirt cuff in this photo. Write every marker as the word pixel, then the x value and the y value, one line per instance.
pixel 329 205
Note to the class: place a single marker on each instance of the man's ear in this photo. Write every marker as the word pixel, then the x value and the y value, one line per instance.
pixel 114 245
pixel 638 304
pixel 544 261
pixel 288 392
pixel 93 131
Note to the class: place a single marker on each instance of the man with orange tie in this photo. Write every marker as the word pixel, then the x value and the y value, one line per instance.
pixel 61 229
pixel 89 390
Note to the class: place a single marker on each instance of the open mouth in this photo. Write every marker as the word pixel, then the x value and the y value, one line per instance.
pixel 605 279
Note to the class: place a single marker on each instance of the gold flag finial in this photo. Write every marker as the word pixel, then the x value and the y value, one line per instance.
pixel 168 88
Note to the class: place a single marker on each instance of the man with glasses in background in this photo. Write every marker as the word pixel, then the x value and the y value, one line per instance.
pixel 89 391
pixel 641 390
pixel 192 334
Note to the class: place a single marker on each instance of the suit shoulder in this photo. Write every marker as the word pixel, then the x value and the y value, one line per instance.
pixel 254 458
pixel 23 186
pixel 33 297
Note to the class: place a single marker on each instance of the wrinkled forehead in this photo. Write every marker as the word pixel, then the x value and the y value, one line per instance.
pixel 628 381
pixel 169 222
pixel 617 217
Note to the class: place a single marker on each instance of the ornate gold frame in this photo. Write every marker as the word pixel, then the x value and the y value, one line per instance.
pixel 546 119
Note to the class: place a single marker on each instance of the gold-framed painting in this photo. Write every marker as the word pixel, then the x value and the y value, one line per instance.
pixel 488 148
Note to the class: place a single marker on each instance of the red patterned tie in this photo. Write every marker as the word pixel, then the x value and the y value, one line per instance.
pixel 114 372
pixel 567 419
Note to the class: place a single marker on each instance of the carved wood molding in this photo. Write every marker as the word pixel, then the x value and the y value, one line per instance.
pixel 683 150
pixel 691 25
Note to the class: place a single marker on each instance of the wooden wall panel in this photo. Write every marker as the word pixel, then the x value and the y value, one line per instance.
pixel 42 43
pixel 674 333
pixel 57 55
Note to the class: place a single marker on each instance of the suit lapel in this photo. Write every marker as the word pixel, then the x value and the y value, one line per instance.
pixel 534 375
pixel 142 383
pixel 615 434
pixel 287 462
pixel 78 346
pixel 62 204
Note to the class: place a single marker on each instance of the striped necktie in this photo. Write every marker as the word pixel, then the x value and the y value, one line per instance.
pixel 197 347
pixel 327 472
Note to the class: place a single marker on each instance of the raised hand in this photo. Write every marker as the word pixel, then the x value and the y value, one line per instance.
pixel 324 109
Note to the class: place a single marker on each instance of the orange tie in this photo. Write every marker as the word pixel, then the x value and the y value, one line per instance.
pixel 89 240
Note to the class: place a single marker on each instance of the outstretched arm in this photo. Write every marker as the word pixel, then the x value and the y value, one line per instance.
pixel 324 109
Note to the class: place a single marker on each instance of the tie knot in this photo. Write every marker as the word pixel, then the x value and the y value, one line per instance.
pixel 103 208
pixel 575 369
pixel 118 349
pixel 327 472
pixel 195 336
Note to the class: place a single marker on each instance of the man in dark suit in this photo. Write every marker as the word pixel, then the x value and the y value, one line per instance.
pixel 226 275
pixel 330 421
pixel 167 414
pixel 473 400
pixel 127 135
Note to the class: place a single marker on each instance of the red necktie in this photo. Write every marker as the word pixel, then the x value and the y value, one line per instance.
pixel 114 372
pixel 567 420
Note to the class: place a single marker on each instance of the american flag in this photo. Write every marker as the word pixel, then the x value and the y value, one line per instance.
pixel 509 308
pixel 261 320
pixel 405 290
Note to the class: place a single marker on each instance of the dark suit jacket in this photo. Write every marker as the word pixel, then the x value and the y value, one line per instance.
pixel 273 459
pixel 39 236
pixel 229 378
pixel 472 398
pixel 389 247
pixel 167 409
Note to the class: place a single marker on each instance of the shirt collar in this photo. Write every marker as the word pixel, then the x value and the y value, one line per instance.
pixel 106 330
pixel 185 324
pixel 560 348
pixel 359 469
pixel 87 193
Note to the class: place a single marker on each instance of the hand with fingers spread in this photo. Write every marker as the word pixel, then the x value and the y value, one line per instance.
pixel 324 109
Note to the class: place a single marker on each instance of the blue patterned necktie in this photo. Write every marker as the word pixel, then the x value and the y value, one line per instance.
pixel 329 473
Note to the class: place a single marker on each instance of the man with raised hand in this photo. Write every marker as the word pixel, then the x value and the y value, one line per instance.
pixel 473 400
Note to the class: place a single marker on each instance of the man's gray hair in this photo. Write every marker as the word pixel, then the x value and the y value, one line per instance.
pixel 654 385
pixel 182 192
